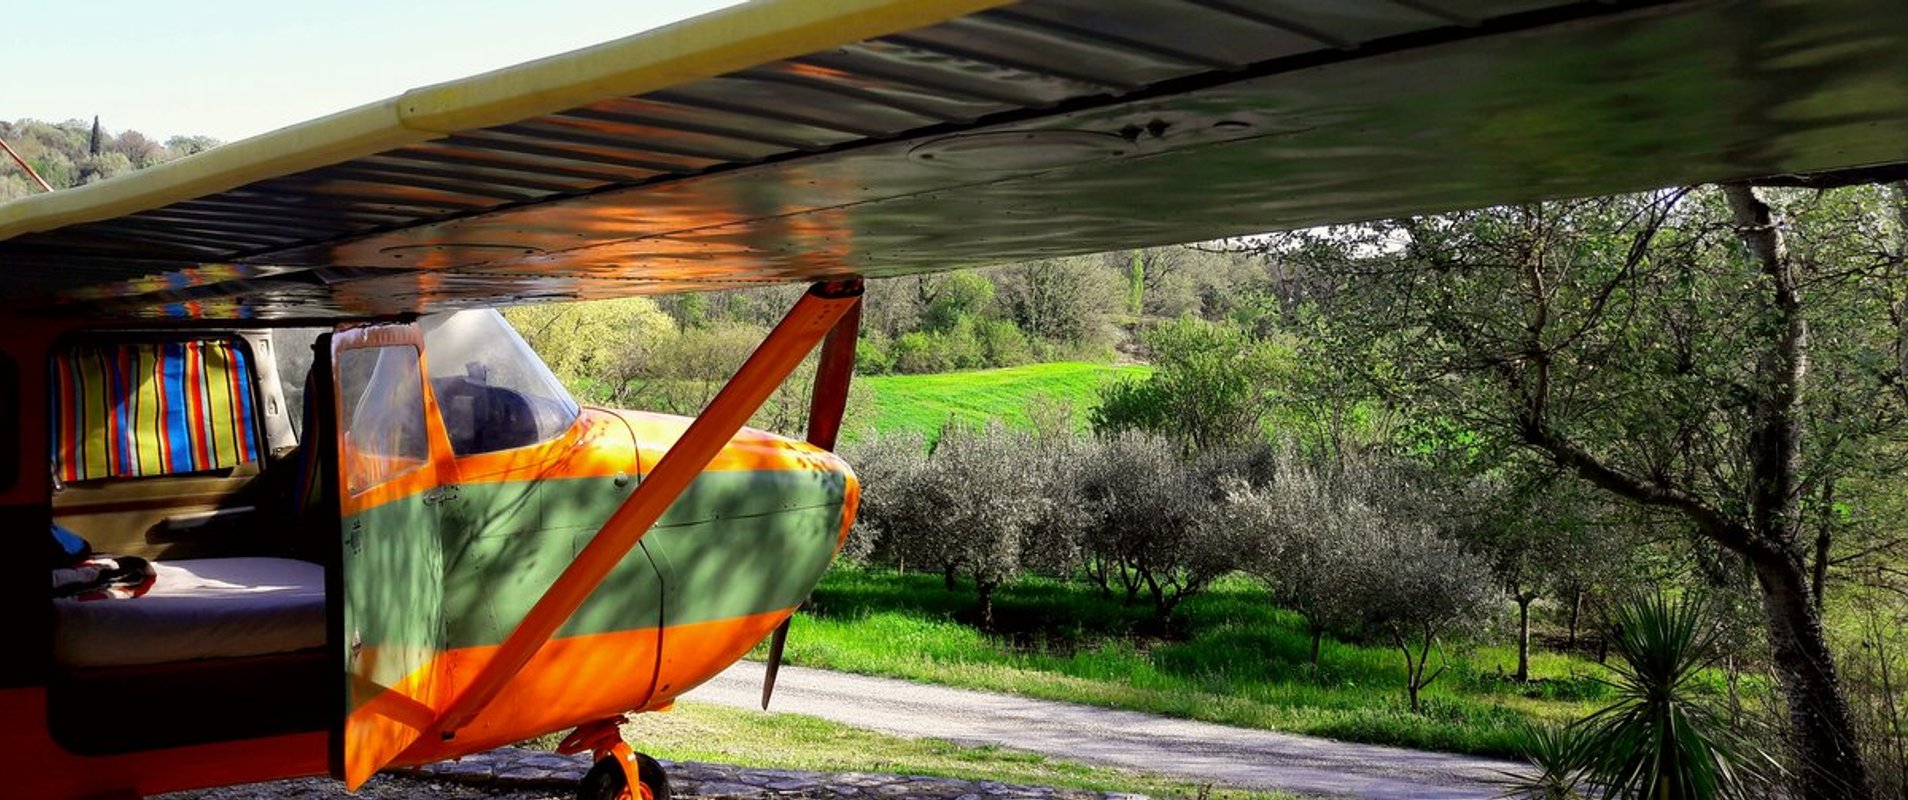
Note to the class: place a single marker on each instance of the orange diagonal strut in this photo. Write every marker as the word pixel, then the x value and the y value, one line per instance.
pixel 826 403
pixel 811 318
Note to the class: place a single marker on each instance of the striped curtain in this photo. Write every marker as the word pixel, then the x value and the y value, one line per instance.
pixel 136 410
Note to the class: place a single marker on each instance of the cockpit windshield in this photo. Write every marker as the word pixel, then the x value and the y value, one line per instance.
pixel 492 390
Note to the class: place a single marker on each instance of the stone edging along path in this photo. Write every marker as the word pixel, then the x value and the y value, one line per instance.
pixel 513 768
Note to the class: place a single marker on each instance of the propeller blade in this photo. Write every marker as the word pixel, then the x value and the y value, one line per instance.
pixel 775 660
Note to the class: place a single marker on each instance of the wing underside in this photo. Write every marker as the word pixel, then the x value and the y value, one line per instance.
pixel 783 141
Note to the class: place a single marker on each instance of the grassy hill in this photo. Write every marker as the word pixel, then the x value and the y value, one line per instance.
pixel 925 402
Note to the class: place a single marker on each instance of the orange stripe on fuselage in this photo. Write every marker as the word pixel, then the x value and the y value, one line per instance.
pixel 599 444
pixel 580 679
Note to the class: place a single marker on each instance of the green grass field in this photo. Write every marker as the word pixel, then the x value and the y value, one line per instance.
pixel 924 403
pixel 1230 657
pixel 696 732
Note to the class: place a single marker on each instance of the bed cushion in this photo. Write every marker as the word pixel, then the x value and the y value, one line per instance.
pixel 199 608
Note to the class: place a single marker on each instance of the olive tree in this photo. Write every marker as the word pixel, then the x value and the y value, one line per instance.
pixel 987 498
pixel 1296 533
pixel 1149 531
pixel 886 465
pixel 1413 588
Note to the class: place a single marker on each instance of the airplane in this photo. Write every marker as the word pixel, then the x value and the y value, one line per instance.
pixel 413 545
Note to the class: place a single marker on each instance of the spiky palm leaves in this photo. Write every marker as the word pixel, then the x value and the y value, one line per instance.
pixel 1660 740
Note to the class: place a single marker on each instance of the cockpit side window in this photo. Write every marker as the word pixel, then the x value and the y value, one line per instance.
pixel 492 390
pixel 383 412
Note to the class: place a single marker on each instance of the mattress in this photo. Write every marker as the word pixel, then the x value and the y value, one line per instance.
pixel 199 608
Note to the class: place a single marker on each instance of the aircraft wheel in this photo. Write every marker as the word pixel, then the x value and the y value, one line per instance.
pixel 605 781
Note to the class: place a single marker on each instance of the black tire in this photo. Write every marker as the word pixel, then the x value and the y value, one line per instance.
pixel 605 780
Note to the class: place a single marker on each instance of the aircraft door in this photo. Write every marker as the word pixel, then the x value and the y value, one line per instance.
pixel 536 480
pixel 389 461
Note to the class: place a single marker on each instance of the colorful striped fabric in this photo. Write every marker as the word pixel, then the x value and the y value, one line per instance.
pixel 158 408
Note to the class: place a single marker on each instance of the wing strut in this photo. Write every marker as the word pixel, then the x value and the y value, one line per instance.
pixel 811 318
pixel 825 406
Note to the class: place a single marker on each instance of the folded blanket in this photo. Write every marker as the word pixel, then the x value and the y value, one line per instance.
pixel 101 577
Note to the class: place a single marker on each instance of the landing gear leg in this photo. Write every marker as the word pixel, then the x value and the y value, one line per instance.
pixel 619 773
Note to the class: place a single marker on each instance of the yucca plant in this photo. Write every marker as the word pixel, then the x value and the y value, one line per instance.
pixel 1661 739
pixel 1557 757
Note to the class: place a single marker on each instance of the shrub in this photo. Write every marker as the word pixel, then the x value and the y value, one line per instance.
pixel 918 352
pixel 1212 386
pixel 1002 344
pixel 873 355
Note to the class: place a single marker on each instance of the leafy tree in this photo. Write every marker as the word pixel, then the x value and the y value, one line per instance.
pixel 1352 544
pixel 971 506
pixel 1211 387
pixel 1668 349
pixel 1299 528
pixel 1055 539
pixel 54 167
pixel 989 497
pixel 599 349
pixel 954 298
pixel 1163 282
pixel 1058 300
pixel 1001 344
pixel 920 352
pixel 887 466
pixel 874 354
pixel 100 166
pixel 1532 536
pixel 182 146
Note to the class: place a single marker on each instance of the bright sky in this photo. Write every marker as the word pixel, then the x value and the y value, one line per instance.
pixel 236 68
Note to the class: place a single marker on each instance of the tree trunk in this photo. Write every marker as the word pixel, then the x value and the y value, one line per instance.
pixel 1318 636
pixel 947 577
pixel 1523 638
pixel 986 592
pixel 1411 677
pixel 1819 724
pixel 1576 609
pixel 1824 538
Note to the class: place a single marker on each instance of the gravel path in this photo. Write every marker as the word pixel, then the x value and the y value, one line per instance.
pixel 512 773
pixel 1195 751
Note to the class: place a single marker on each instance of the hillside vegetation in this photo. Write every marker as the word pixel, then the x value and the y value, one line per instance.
pixel 923 404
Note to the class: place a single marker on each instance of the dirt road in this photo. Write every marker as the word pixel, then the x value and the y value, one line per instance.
pixel 1194 751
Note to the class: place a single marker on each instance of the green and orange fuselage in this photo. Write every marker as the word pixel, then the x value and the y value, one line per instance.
pixel 731 559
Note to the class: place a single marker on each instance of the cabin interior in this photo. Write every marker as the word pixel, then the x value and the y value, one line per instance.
pixel 193 450
pixel 210 454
